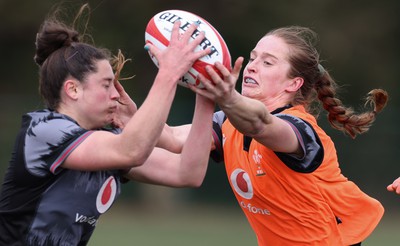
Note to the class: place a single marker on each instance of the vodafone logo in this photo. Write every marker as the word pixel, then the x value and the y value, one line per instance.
pixel 241 183
pixel 106 195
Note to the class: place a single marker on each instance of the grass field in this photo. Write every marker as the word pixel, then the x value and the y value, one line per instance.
pixel 202 225
pixel 189 226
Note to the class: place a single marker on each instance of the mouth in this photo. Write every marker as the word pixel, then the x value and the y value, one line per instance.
pixel 112 109
pixel 249 80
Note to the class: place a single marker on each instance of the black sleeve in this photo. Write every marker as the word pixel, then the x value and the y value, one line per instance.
pixel 218 154
pixel 309 141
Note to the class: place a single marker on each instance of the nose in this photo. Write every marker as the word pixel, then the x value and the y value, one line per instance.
pixel 115 94
pixel 252 66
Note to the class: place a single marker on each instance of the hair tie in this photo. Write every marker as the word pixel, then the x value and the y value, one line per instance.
pixel 76 52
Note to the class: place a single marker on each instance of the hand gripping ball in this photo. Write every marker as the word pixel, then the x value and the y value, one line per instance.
pixel 158 33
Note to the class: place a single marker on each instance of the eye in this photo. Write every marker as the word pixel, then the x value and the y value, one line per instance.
pixel 107 84
pixel 267 63
pixel 250 60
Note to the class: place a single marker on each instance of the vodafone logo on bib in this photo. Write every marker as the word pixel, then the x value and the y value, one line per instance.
pixel 241 183
pixel 106 195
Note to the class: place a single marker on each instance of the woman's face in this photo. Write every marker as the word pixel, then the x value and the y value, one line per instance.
pixel 265 75
pixel 98 100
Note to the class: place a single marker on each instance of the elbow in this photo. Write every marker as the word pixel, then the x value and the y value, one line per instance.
pixel 189 185
pixel 134 159
pixel 139 159
pixel 187 182
pixel 251 128
pixel 258 126
pixel 133 153
pixel 195 184
pixel 253 132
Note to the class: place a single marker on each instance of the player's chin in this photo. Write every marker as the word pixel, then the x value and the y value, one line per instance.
pixel 247 91
pixel 109 120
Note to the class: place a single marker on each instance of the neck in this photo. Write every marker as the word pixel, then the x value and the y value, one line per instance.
pixel 75 116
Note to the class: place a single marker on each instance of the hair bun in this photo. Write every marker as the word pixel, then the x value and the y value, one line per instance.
pixel 72 38
pixel 51 37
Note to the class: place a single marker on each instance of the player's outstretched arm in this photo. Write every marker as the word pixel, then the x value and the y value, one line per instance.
pixel 189 167
pixel 104 150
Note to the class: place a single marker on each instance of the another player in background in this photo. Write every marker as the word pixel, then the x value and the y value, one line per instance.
pixel 70 159
pixel 395 186
pixel 282 167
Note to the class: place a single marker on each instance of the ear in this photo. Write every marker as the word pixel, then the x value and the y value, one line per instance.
pixel 71 88
pixel 295 84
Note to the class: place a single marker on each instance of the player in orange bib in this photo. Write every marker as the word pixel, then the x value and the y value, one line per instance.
pixel 282 167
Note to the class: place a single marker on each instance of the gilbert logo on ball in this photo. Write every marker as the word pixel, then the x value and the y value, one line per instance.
pixel 158 33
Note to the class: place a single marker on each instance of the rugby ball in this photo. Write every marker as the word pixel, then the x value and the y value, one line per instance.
pixel 158 32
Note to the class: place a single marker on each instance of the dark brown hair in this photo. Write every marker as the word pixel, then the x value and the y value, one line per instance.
pixel 318 84
pixel 60 53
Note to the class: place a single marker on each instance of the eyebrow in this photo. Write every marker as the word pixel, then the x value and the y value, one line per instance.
pixel 265 54
pixel 108 78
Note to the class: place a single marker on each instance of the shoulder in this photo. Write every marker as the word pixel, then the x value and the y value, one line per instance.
pixel 299 112
pixel 49 137
pixel 44 118
pixel 219 117
pixel 303 124
pixel 51 127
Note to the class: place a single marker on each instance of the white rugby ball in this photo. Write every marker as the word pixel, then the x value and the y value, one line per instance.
pixel 158 32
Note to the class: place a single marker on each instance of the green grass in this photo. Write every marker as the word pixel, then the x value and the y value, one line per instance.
pixel 203 225
pixel 188 226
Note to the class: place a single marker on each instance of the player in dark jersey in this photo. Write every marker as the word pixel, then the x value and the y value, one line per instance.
pixel 70 159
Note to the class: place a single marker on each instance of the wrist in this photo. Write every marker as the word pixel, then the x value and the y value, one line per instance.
pixel 165 76
pixel 230 102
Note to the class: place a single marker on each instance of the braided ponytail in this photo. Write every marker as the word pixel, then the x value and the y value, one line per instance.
pixel 344 118
pixel 318 84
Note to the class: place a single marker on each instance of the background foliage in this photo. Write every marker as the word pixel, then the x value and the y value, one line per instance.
pixel 358 43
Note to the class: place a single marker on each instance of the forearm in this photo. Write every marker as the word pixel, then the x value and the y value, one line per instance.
pixel 196 150
pixel 173 137
pixel 143 130
pixel 188 168
pixel 249 116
